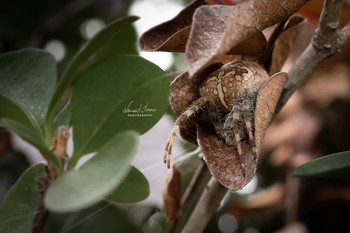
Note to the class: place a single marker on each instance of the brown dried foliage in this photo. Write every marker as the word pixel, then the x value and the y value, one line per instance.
pixel 210 32
pixel 172 193
pixel 217 30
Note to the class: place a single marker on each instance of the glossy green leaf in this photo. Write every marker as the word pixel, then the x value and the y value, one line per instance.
pixel 18 209
pixel 63 118
pixel 27 78
pixel 331 166
pixel 95 179
pixel 73 69
pixel 33 138
pixel 10 110
pixel 126 92
pixel 134 188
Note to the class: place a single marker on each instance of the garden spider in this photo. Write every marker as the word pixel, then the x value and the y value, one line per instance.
pixel 227 101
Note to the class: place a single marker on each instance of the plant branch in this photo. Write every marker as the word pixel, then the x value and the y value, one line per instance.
pixel 206 206
pixel 326 41
pixel 60 150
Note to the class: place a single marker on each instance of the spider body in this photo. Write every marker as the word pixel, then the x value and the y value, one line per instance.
pixel 227 102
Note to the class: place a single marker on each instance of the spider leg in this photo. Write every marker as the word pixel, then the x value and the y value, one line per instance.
pixel 215 117
pixel 196 107
pixel 169 145
pixel 238 125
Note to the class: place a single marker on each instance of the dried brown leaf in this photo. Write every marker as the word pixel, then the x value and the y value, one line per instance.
pixel 266 102
pixel 172 36
pixel 285 42
pixel 225 164
pixel 169 35
pixel 223 161
pixel 172 193
pixel 254 45
pixel 217 29
pixel 184 92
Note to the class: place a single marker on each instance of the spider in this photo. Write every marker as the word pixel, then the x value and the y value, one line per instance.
pixel 227 103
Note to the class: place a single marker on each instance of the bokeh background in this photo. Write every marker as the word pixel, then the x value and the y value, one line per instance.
pixel 314 123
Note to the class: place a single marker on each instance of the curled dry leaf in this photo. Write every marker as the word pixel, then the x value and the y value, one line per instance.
pixel 230 126
pixel 266 102
pixel 285 42
pixel 172 36
pixel 226 109
pixel 206 32
pixel 225 163
pixel 172 193
pixel 184 92
pixel 245 19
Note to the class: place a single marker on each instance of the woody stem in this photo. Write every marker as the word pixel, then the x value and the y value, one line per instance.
pixel 326 41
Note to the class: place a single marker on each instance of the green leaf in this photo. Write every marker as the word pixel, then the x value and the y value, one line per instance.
pixel 100 218
pixel 331 166
pixel 90 48
pixel 95 179
pixel 18 209
pixel 8 109
pixel 134 188
pixel 28 78
pixel 63 118
pixel 33 138
pixel 122 43
pixel 105 95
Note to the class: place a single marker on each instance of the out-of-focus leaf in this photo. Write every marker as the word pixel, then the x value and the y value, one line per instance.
pixel 172 194
pixel 285 42
pixel 90 48
pixel 331 166
pixel 103 217
pixel 95 179
pixel 27 78
pixel 134 188
pixel 122 43
pixel 18 209
pixel 126 92
pixel 33 138
pixel 10 110
pixel 217 29
pixel 63 118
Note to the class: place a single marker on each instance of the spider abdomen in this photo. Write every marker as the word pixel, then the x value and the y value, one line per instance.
pixel 233 79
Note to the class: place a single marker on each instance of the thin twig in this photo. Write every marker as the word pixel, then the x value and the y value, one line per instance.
pixel 344 35
pixel 206 206
pixel 200 173
pixel 191 196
